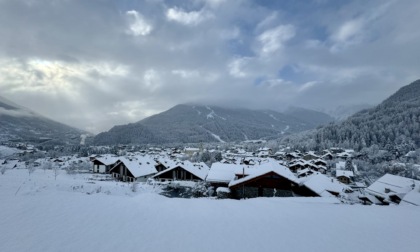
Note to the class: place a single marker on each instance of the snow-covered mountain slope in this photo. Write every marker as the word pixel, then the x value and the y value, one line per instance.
pixel 395 123
pixel 315 117
pixel 18 123
pixel 197 123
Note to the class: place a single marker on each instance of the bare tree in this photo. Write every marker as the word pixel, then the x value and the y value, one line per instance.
pixel 47 166
pixel 31 169
pixel 56 170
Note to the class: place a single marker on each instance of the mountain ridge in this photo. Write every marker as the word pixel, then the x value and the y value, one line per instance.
pixel 193 123
pixel 20 124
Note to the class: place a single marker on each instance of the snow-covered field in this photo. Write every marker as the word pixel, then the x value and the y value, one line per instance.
pixel 74 213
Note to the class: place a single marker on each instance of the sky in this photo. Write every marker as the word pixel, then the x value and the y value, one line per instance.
pixel 96 64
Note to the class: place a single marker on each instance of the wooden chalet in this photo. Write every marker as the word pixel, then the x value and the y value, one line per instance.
pixel 320 185
pixel 395 189
pixel 292 156
pixel 267 181
pixel 130 169
pixel 345 177
pixel 103 164
pixel 183 171
pixel 163 164
pixel 221 174
pixel 310 156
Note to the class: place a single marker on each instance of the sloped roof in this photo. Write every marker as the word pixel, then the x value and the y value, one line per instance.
pixel 412 197
pixel 224 173
pixel 397 185
pixel 343 173
pixel 319 183
pixel 166 162
pixel 266 168
pixel 107 159
pixel 198 169
pixel 139 166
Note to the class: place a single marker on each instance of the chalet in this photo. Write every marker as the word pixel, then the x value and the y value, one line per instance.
pixel 344 177
pixel 220 174
pixel 249 161
pixel 297 166
pixel 183 171
pixel 103 164
pixel 164 163
pixel 320 162
pixel 301 164
pixel 264 152
pixel 131 169
pixel 268 180
pixel 336 150
pixel 304 173
pixel 368 199
pixel 292 156
pixel 346 154
pixel 310 155
pixel 327 156
pixel 393 189
pixel 279 155
pixel 322 169
pixel 322 186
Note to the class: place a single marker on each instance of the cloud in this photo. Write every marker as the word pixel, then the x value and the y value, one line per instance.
pixel 273 39
pixel 138 26
pixel 191 18
pixel 236 67
pixel 136 58
pixel 16 112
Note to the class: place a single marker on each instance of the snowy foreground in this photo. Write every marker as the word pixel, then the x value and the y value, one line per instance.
pixel 74 213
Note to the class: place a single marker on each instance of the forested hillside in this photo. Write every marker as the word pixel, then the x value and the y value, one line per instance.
pixel 392 125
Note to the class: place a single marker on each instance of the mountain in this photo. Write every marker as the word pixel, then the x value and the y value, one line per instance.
pixel 197 123
pixel 393 124
pixel 343 112
pixel 20 124
pixel 314 117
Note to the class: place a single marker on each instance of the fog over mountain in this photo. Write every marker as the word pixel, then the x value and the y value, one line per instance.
pixel 198 123
pixel 18 123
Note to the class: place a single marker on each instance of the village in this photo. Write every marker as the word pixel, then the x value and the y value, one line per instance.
pixel 233 173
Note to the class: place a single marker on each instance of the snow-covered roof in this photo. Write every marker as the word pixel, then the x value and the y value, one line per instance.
pixel 319 161
pixel 392 185
pixel 412 197
pixel 198 169
pixel 343 173
pixel 224 173
pixel 167 162
pixel 139 166
pixel 340 165
pixel 319 183
pixel 107 159
pixel 265 168
pixel 371 198
pixel 304 171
